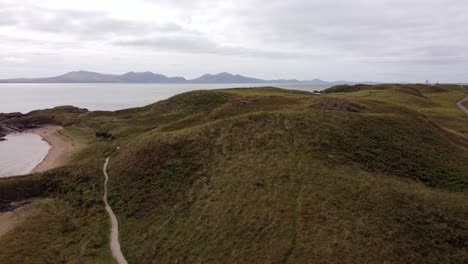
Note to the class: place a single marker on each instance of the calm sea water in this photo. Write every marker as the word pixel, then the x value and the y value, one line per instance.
pixel 27 97
pixel 20 153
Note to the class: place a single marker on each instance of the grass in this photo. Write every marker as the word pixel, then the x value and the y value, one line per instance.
pixel 351 216
pixel 367 174
pixel 69 224
pixel 436 103
pixel 244 202
pixel 54 233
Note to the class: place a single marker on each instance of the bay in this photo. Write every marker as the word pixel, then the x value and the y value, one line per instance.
pixel 20 153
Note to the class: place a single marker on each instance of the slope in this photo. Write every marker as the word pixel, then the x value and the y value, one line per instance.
pixel 262 176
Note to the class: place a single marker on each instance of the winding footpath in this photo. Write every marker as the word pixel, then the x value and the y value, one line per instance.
pixel 114 243
pixel 460 105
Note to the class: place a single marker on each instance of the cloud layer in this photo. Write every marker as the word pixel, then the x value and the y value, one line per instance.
pixel 384 40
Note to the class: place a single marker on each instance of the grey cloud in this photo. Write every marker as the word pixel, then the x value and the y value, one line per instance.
pixel 6 19
pixel 364 28
pixel 173 43
pixel 419 61
pixel 203 45
pixel 78 23
pixel 186 4
pixel 390 36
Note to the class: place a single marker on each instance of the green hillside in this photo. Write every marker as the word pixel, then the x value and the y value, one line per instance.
pixel 359 174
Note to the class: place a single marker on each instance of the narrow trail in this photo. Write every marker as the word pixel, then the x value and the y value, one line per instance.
pixel 460 105
pixel 114 235
pixel 296 158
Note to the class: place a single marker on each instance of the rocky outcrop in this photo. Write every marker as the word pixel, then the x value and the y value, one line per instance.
pixel 336 104
pixel 61 115
pixel 11 206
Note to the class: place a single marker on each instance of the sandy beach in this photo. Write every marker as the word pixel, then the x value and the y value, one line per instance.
pixel 61 148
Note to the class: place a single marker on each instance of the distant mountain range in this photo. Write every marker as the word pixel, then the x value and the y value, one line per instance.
pixel 149 77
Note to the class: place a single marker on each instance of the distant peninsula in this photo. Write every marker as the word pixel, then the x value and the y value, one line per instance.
pixel 150 77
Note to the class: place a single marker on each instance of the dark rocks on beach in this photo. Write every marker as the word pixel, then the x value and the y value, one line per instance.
pixel 18 122
pixel 11 206
pixel 21 127
pixel 2 139
pixel 29 126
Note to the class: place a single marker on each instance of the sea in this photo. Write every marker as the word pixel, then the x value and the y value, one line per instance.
pixel 27 97
pixel 20 153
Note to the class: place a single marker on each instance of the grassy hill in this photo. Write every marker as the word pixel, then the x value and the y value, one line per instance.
pixel 371 174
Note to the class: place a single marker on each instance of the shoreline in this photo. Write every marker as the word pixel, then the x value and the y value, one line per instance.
pixel 61 148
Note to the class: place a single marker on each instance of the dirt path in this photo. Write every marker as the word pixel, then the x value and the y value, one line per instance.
pixel 61 148
pixel 114 243
pixel 460 105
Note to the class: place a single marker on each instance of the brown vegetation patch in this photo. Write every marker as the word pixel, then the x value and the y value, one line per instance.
pixel 412 91
pixel 434 121
pixel 430 88
pixel 242 100
pixel 336 104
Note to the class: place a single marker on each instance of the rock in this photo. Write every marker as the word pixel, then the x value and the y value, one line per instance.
pixel 30 126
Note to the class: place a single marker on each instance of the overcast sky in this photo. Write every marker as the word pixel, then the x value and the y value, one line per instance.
pixel 381 40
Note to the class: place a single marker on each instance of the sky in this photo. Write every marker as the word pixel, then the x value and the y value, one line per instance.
pixel 355 40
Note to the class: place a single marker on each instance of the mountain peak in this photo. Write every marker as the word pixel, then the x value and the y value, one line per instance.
pixel 225 74
pixel 79 72
pixel 226 77
pixel 82 76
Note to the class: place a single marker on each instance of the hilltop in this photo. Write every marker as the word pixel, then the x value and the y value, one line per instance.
pixel 359 174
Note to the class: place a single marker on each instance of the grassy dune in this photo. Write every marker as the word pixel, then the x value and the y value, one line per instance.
pixel 360 174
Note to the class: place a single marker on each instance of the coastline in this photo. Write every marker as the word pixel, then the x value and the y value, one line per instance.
pixel 60 150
